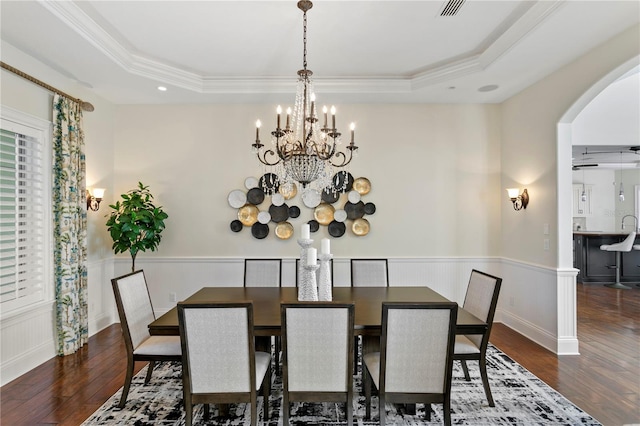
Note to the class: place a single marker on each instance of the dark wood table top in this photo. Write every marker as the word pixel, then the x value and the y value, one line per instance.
pixel 266 306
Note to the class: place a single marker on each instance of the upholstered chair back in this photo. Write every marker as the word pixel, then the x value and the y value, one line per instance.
pixel 369 273
pixel 481 300
pixel 217 349
pixel 417 349
pixel 318 339
pixel 262 272
pixel 134 306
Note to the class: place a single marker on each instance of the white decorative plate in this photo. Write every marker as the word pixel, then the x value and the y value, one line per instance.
pixel 277 199
pixel 354 196
pixel 311 198
pixel 340 215
pixel 237 198
pixel 250 182
pixel 264 217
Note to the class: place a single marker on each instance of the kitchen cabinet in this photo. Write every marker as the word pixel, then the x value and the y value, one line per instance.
pixel 582 208
pixel 595 264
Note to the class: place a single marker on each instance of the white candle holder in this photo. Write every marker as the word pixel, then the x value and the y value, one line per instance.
pixel 307 287
pixel 324 278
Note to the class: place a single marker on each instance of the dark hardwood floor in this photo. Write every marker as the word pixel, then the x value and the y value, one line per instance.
pixel 603 380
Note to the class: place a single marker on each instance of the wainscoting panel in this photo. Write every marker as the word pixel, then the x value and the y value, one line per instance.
pixel 27 341
pixel 535 301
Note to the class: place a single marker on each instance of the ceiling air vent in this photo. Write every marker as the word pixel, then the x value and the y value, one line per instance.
pixel 452 7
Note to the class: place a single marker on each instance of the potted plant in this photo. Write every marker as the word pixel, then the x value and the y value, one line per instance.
pixel 136 223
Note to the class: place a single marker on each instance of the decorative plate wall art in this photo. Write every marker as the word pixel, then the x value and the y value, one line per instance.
pixel 267 205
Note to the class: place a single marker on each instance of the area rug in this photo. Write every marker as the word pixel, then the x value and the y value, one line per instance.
pixel 520 398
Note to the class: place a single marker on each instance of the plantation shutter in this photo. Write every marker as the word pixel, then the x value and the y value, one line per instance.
pixel 22 219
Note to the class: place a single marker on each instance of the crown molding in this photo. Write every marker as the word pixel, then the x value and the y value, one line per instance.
pixel 73 16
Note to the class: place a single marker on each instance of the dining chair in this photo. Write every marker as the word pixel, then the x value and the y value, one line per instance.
pixel 415 361
pixel 136 312
pixel 219 362
pixel 317 271
pixel 265 273
pixel 369 273
pixel 317 342
pixel 480 300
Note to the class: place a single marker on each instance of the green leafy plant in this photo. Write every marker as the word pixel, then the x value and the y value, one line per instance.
pixel 136 223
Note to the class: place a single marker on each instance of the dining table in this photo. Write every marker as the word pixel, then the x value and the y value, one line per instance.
pixel 266 307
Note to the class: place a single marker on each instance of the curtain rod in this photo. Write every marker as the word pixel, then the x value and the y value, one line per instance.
pixel 86 106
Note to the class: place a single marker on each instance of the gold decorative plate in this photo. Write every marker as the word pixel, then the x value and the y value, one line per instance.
pixel 362 185
pixel 248 214
pixel 360 227
pixel 324 213
pixel 284 230
pixel 288 190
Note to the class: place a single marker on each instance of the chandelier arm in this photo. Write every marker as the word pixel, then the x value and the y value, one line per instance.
pixel 268 153
pixel 342 155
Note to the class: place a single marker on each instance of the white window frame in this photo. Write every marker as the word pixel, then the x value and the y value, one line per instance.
pixel 22 123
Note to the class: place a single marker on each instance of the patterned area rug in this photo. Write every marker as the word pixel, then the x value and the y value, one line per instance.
pixel 520 397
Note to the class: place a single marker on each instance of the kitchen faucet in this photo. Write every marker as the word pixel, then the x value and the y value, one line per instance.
pixel 635 229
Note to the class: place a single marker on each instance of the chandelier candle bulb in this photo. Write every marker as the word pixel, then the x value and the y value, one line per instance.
pixel 353 130
pixel 333 118
pixel 313 105
pixel 312 256
pixel 278 111
pixel 325 247
pixel 306 231
pixel 324 111
pixel 258 124
pixel 288 118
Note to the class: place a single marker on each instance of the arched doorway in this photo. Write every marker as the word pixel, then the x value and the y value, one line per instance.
pixel 567 301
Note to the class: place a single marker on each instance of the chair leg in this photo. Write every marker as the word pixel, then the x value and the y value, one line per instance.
pixel 349 408
pixel 149 372
pixel 127 382
pixel 254 409
pixel 285 407
pixel 188 409
pixel 266 391
pixel 367 391
pixel 465 370
pixel 485 381
pixel 207 411
pixel 278 346
pixel 446 408
pixel 427 412
pixel 382 408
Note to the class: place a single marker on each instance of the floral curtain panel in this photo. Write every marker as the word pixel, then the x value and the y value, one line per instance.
pixel 70 226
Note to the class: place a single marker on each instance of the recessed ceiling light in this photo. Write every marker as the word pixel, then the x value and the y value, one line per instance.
pixel 451 87
pixel 488 88
pixel 162 88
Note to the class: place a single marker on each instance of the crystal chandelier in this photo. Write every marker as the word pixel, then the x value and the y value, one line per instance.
pixel 304 151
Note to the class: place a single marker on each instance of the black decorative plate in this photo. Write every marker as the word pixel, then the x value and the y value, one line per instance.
pixel 294 211
pixel 369 208
pixel 269 183
pixel 313 225
pixel 342 181
pixel 259 230
pixel 354 211
pixel 336 229
pixel 279 213
pixel 255 196
pixel 329 196
pixel 236 225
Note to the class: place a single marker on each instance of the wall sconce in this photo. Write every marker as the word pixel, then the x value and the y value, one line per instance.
pixel 519 201
pixel 94 196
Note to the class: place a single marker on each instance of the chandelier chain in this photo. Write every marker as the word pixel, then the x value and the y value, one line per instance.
pixel 304 40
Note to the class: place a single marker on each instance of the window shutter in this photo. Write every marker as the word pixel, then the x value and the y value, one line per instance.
pixel 22 219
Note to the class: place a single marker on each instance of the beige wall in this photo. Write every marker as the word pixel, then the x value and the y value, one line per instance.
pixel 529 149
pixel 434 171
